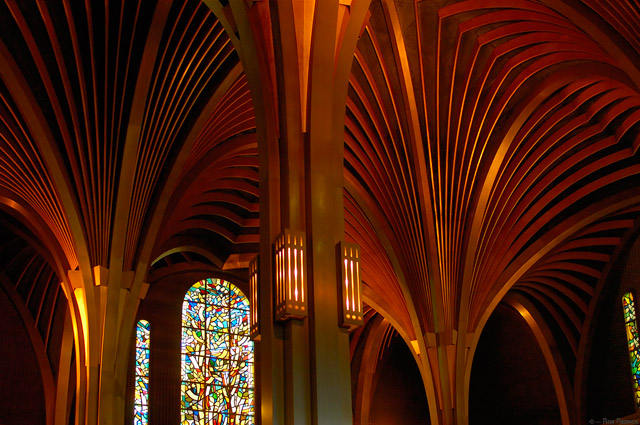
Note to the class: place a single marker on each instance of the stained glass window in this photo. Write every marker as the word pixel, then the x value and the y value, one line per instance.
pixel 217 356
pixel 141 402
pixel 629 310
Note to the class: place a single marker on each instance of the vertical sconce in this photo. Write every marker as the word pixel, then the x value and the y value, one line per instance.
pixel 291 291
pixel 254 330
pixel 350 292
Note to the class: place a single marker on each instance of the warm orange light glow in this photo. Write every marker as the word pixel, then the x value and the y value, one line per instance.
pixel 351 314
pixel 295 274
pixel 82 310
pixel 289 270
pixel 290 281
pixel 253 299
pixel 302 269
pixel 415 346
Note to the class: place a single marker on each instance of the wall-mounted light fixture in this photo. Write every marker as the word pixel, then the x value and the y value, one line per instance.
pixel 291 281
pixel 254 305
pixel 350 292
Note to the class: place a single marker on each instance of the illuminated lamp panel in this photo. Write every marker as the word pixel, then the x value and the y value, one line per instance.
pixel 631 325
pixel 290 279
pixel 141 401
pixel 350 302
pixel 254 266
pixel 217 356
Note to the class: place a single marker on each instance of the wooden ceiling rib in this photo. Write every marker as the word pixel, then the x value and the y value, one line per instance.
pixel 381 155
pixel 621 15
pixel 377 271
pixel 519 135
pixel 220 178
pixel 468 151
pixel 563 282
pixel 550 183
pixel 78 79
pixel 519 171
pixel 221 184
pixel 24 178
pixel 85 74
pixel 193 57
pixel 233 115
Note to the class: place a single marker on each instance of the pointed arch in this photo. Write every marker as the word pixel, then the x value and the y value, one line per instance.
pixel 217 356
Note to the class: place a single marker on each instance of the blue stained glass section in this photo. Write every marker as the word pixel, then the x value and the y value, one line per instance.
pixel 217 356
pixel 141 386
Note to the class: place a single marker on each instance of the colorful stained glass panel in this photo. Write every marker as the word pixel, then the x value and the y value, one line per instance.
pixel 220 319
pixel 238 322
pixel 631 325
pixel 217 356
pixel 141 386
pixel 237 300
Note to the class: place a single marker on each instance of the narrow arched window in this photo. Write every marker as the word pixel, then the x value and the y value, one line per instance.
pixel 141 402
pixel 631 325
pixel 217 356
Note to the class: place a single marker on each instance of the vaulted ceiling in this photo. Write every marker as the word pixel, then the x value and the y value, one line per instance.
pixel 489 146
pixel 94 92
pixel 509 133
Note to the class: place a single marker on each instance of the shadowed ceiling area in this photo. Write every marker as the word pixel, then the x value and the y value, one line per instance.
pixel 153 92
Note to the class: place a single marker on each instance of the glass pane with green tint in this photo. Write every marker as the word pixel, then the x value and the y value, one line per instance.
pixel 217 356
pixel 633 342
